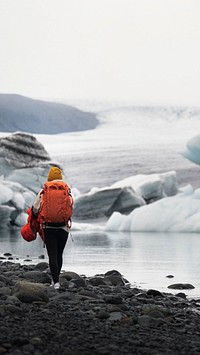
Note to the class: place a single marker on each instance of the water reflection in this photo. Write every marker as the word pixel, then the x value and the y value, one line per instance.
pixel 12 242
pixel 145 259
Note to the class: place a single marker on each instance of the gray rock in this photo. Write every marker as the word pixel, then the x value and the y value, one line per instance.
pixel 113 299
pixel 65 296
pixel 12 300
pixel 14 309
pixel 155 311
pixel 155 314
pixel 80 282
pixel 88 293
pixel 181 295
pixel 154 293
pixel 42 266
pixel 64 283
pixel 112 272
pixel 29 292
pixel 181 286
pixel 97 281
pixel 2 284
pixel 116 316
pixel 5 290
pixel 148 322
pixel 114 280
pixel 37 276
pixel 87 321
pixel 101 314
pixel 36 341
pixel 68 275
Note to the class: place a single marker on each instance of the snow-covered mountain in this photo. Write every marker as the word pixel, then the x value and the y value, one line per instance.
pixel 19 113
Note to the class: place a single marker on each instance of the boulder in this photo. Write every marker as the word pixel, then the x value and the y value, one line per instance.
pixel 181 286
pixel 29 292
pixel 37 276
pixel 69 275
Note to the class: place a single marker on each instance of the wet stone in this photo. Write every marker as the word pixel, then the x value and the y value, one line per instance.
pixel 181 286
pixel 91 317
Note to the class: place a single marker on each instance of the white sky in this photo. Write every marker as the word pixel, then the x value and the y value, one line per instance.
pixel 143 51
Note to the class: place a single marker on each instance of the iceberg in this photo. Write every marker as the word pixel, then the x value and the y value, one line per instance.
pixel 100 203
pixel 151 187
pixel 125 195
pixel 24 160
pixel 24 164
pixel 179 213
pixel 5 215
pixel 192 151
pixel 144 202
pixel 14 201
pixel 103 202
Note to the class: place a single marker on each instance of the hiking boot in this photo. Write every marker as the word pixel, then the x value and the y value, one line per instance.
pixel 57 286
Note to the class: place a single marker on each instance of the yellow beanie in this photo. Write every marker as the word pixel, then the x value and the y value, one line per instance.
pixel 54 174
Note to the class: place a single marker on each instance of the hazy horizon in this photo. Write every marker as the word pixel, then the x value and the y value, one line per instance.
pixel 91 103
pixel 145 52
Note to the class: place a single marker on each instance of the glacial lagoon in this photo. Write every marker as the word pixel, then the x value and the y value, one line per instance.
pixel 145 259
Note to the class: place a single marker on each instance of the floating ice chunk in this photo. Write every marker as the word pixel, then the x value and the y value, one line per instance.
pixel 29 198
pixel 192 151
pixel 6 194
pixel 18 201
pixel 152 186
pixel 5 213
pixel 104 202
pixel 178 213
pixel 187 189
pixel 21 219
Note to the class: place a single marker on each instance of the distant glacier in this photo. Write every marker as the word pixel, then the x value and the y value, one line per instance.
pixel 19 113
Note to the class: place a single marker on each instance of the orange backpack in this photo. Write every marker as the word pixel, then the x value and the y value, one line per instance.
pixel 56 205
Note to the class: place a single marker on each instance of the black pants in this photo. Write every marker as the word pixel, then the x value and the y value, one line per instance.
pixel 55 240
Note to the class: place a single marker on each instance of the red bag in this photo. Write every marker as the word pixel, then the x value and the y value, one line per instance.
pixel 29 231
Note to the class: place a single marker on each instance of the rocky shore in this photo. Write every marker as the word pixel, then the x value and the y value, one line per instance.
pixel 102 314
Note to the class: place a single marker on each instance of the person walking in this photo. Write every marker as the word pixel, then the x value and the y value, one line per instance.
pixel 53 208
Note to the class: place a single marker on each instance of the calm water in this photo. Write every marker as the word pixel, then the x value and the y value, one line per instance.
pixel 145 259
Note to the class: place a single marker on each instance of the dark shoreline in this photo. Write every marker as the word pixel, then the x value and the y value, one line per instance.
pixel 102 314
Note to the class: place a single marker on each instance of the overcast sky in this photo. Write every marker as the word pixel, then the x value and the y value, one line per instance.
pixel 142 51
